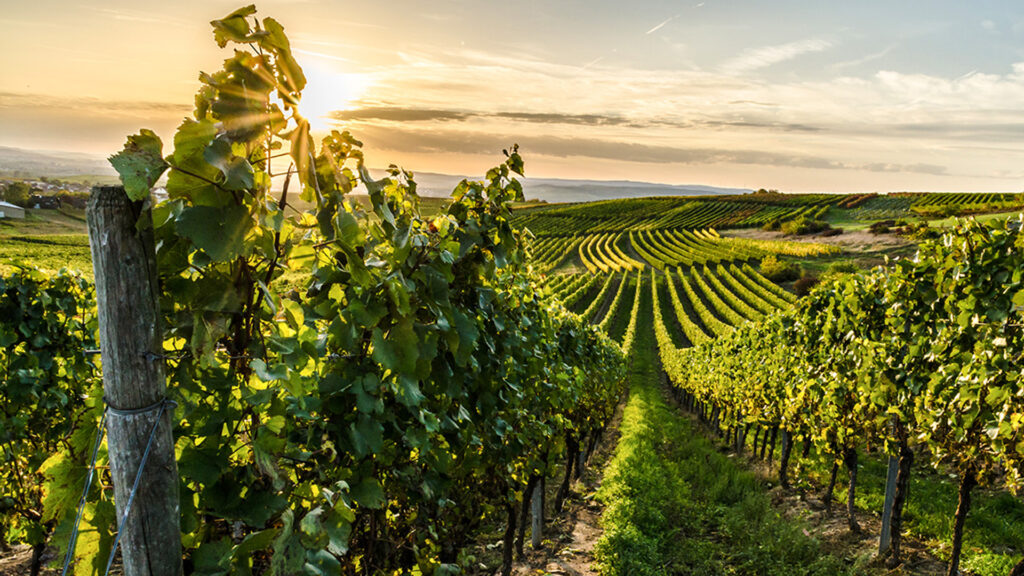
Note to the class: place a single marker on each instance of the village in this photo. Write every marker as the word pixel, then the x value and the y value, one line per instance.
pixel 20 194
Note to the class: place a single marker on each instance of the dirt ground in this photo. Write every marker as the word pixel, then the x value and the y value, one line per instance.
pixel 568 548
pixel 832 528
pixel 852 241
pixel 18 561
pixel 861 246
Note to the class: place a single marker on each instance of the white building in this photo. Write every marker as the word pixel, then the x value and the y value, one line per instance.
pixel 8 210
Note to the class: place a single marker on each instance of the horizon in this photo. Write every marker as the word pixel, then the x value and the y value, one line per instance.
pixel 924 96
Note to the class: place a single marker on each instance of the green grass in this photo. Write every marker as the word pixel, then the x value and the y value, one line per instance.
pixel 988 218
pixel 676 505
pixel 47 222
pixel 49 252
pixel 994 533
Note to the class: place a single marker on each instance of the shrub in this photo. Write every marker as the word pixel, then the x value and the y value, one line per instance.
pixel 804 225
pixel 845 267
pixel 832 232
pixel 881 227
pixel 778 271
pixel 919 231
pixel 804 285
pixel 943 211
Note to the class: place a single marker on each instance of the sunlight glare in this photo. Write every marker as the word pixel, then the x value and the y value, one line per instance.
pixel 328 90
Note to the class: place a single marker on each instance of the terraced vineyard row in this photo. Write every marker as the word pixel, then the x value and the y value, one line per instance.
pixel 602 252
pixel 548 253
pixel 707 301
pixel 961 198
pixel 713 303
pixel 661 248
pixel 735 211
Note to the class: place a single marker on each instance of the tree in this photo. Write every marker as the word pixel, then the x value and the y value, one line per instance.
pixel 16 193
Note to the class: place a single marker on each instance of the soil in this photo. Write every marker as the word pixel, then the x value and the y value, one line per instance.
pixel 567 548
pixel 861 246
pixel 852 240
pixel 831 527
pixel 17 561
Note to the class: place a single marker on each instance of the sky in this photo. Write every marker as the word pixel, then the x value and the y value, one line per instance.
pixel 792 95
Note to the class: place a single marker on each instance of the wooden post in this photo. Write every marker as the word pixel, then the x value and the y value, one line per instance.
pixel 537 514
pixel 890 496
pixel 581 462
pixel 124 262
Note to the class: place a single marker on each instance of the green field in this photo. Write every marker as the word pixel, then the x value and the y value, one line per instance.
pixel 677 498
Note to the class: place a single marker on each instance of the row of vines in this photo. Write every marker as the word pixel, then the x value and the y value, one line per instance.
pixel 369 414
pixel 921 356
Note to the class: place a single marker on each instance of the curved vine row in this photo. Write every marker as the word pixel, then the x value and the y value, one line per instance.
pixel 399 389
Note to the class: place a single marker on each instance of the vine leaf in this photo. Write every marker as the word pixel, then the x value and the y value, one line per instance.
pixel 218 231
pixel 234 27
pixel 140 164
pixel 237 172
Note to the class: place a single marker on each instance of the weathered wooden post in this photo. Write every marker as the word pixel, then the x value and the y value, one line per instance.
pixel 885 537
pixel 537 514
pixel 138 417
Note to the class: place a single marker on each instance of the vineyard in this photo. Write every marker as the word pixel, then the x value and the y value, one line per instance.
pixel 334 385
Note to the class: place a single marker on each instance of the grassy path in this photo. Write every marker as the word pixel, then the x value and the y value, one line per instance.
pixel 675 505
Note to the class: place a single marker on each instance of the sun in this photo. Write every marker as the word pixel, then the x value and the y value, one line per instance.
pixel 329 90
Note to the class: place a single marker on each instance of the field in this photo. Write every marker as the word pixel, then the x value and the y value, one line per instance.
pixel 268 358
pixel 660 276
pixel 598 256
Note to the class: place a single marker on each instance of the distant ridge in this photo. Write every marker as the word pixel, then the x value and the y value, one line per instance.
pixel 559 190
pixel 564 190
pixel 34 163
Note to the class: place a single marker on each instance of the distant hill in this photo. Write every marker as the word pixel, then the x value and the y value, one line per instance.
pixel 557 190
pixel 561 190
pixel 18 162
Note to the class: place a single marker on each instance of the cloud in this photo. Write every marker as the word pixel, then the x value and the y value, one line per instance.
pixel 141 16
pixel 320 55
pixel 387 113
pixel 662 24
pixel 482 143
pixel 865 59
pixel 766 56
pixel 402 114
pixel 397 114
pixel 91 106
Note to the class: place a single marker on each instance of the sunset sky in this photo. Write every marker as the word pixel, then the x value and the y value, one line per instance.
pixel 799 96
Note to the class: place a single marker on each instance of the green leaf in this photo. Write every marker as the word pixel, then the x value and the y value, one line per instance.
pixel 339 528
pixel 234 27
pixel 213 558
pixel 289 72
pixel 288 551
pixel 255 542
pixel 321 563
pixel 236 172
pixel 367 436
pixel 399 350
pixel 368 493
pixel 269 374
pixel 218 231
pixel 140 164
pixel 1018 298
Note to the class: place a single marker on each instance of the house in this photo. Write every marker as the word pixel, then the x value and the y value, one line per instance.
pixel 48 202
pixel 8 210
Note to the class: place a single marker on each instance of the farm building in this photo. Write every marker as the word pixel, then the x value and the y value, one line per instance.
pixel 8 210
pixel 38 201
